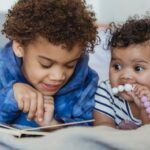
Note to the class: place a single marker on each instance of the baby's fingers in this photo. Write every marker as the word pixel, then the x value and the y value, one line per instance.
pixel 135 98
pixel 141 90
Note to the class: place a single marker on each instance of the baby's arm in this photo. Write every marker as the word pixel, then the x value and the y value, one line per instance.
pixel 102 119
pixel 103 110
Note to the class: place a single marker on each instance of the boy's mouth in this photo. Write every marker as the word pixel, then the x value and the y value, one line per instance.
pixel 50 87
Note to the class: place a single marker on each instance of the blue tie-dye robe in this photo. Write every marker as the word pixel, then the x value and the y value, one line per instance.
pixel 74 102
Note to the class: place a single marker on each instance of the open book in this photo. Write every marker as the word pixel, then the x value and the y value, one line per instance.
pixel 20 131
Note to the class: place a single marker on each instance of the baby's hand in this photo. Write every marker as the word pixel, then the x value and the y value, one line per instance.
pixel 29 100
pixel 143 94
pixel 140 90
pixel 48 111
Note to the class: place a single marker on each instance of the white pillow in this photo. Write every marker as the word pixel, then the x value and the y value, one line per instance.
pixel 100 60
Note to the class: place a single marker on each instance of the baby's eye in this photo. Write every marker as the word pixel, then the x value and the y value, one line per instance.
pixel 117 66
pixel 138 68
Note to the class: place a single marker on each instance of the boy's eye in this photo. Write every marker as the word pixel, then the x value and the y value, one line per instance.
pixel 71 65
pixel 46 66
pixel 117 66
pixel 138 68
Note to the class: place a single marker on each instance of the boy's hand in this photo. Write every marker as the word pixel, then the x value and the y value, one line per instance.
pixel 48 111
pixel 29 100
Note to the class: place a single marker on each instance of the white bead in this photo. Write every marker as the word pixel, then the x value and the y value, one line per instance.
pixel 115 90
pixel 128 87
pixel 120 88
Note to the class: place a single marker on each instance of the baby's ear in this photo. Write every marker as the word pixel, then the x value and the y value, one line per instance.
pixel 18 49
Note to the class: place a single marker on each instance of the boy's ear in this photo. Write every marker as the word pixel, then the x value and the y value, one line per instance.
pixel 18 49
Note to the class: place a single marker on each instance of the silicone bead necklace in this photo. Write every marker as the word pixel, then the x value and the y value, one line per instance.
pixel 129 87
pixel 121 88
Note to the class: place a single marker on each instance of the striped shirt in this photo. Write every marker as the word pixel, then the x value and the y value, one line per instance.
pixel 113 106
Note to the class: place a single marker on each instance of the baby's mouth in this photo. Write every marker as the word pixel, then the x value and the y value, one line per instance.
pixel 122 88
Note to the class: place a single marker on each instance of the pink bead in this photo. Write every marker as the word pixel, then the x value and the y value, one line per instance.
pixel 146 104
pixel 148 110
pixel 144 98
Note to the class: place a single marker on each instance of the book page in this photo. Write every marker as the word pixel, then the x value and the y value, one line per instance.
pixel 8 126
pixel 59 125
pixel 13 132
pixel 19 130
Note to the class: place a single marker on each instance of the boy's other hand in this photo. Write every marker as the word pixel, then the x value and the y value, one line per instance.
pixel 48 111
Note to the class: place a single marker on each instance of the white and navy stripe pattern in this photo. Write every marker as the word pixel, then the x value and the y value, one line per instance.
pixel 113 106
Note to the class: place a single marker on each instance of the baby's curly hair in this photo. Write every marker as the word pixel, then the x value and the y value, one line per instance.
pixel 65 22
pixel 135 30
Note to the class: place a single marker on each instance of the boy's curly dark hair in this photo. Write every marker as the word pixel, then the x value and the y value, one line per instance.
pixel 60 21
pixel 135 30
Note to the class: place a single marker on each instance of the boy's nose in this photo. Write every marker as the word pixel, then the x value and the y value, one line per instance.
pixel 57 75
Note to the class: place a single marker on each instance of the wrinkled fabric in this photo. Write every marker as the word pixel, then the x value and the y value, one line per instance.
pixel 74 102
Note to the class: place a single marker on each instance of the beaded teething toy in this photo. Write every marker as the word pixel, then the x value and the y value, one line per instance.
pixel 121 88
pixel 129 87
pixel 146 104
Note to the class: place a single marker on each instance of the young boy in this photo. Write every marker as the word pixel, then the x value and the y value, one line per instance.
pixel 44 71
pixel 129 76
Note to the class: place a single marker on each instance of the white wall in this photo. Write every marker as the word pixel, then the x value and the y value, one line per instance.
pixel 96 7
pixel 6 4
pixel 135 7
pixel 118 10
pixel 106 10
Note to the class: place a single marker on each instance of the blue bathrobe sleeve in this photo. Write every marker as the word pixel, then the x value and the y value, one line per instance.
pixel 8 107
pixel 10 73
pixel 9 110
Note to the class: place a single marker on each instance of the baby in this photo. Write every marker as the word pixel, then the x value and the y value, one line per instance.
pixel 124 101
